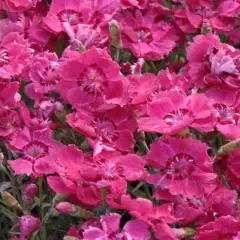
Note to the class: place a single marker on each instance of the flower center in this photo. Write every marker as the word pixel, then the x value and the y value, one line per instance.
pixel 71 16
pixel 226 114
pixel 205 12
pixel 105 129
pixel 35 149
pixel 92 80
pixel 111 170
pixel 174 117
pixel 4 57
pixel 180 166
pixel 144 35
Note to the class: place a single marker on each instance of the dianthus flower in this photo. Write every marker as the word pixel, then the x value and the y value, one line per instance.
pixel 109 130
pixel 183 166
pixel 108 228
pixel 92 78
pixel 145 37
pixel 213 63
pixel 223 228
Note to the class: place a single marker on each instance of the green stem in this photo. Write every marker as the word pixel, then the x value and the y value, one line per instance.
pixel 43 233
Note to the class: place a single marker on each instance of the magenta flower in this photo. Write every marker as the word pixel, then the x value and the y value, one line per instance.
pixel 194 15
pixel 110 130
pixel 229 8
pixel 14 55
pixel 30 191
pixel 28 225
pixel 225 110
pixel 20 5
pixel 221 202
pixel 9 102
pixel 34 146
pixel 145 37
pixel 94 77
pixel 212 64
pixel 72 12
pixel 184 167
pixel 158 217
pixel 43 74
pixel 108 228
pixel 141 4
pixel 171 112
pixel 223 228
pixel 233 170
pixel 69 164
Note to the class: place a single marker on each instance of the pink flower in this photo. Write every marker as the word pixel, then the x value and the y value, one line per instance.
pixel 158 217
pixel 28 225
pixel 214 63
pixel 69 163
pixel 225 110
pixel 229 8
pixel 223 228
pixel 141 4
pixel 220 202
pixel 145 37
pixel 94 77
pixel 113 173
pixel 34 146
pixel 85 36
pixel 30 191
pixel 8 26
pixel 195 15
pixel 184 167
pixel 171 112
pixel 109 130
pixel 20 5
pixel 14 55
pixel 43 74
pixel 65 11
pixel 108 228
pixel 47 107
pixel 233 170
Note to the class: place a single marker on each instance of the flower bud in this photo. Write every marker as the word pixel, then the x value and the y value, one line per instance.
pixel 30 191
pixel 10 200
pixel 70 238
pixel 28 225
pixel 73 210
pixel 66 208
pixel 59 197
pixel 228 148
pixel 1 158
pixel 115 32
pixel 185 232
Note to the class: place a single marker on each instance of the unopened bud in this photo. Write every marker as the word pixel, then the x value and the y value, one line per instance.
pixel 59 197
pixel 28 225
pixel 228 148
pixel 73 210
pixel 66 208
pixel 206 28
pixel 10 200
pixel 115 32
pixel 185 232
pixel 30 191
pixel 1 158
pixel 70 238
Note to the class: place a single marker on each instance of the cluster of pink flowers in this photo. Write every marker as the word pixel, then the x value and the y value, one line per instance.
pixel 124 114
